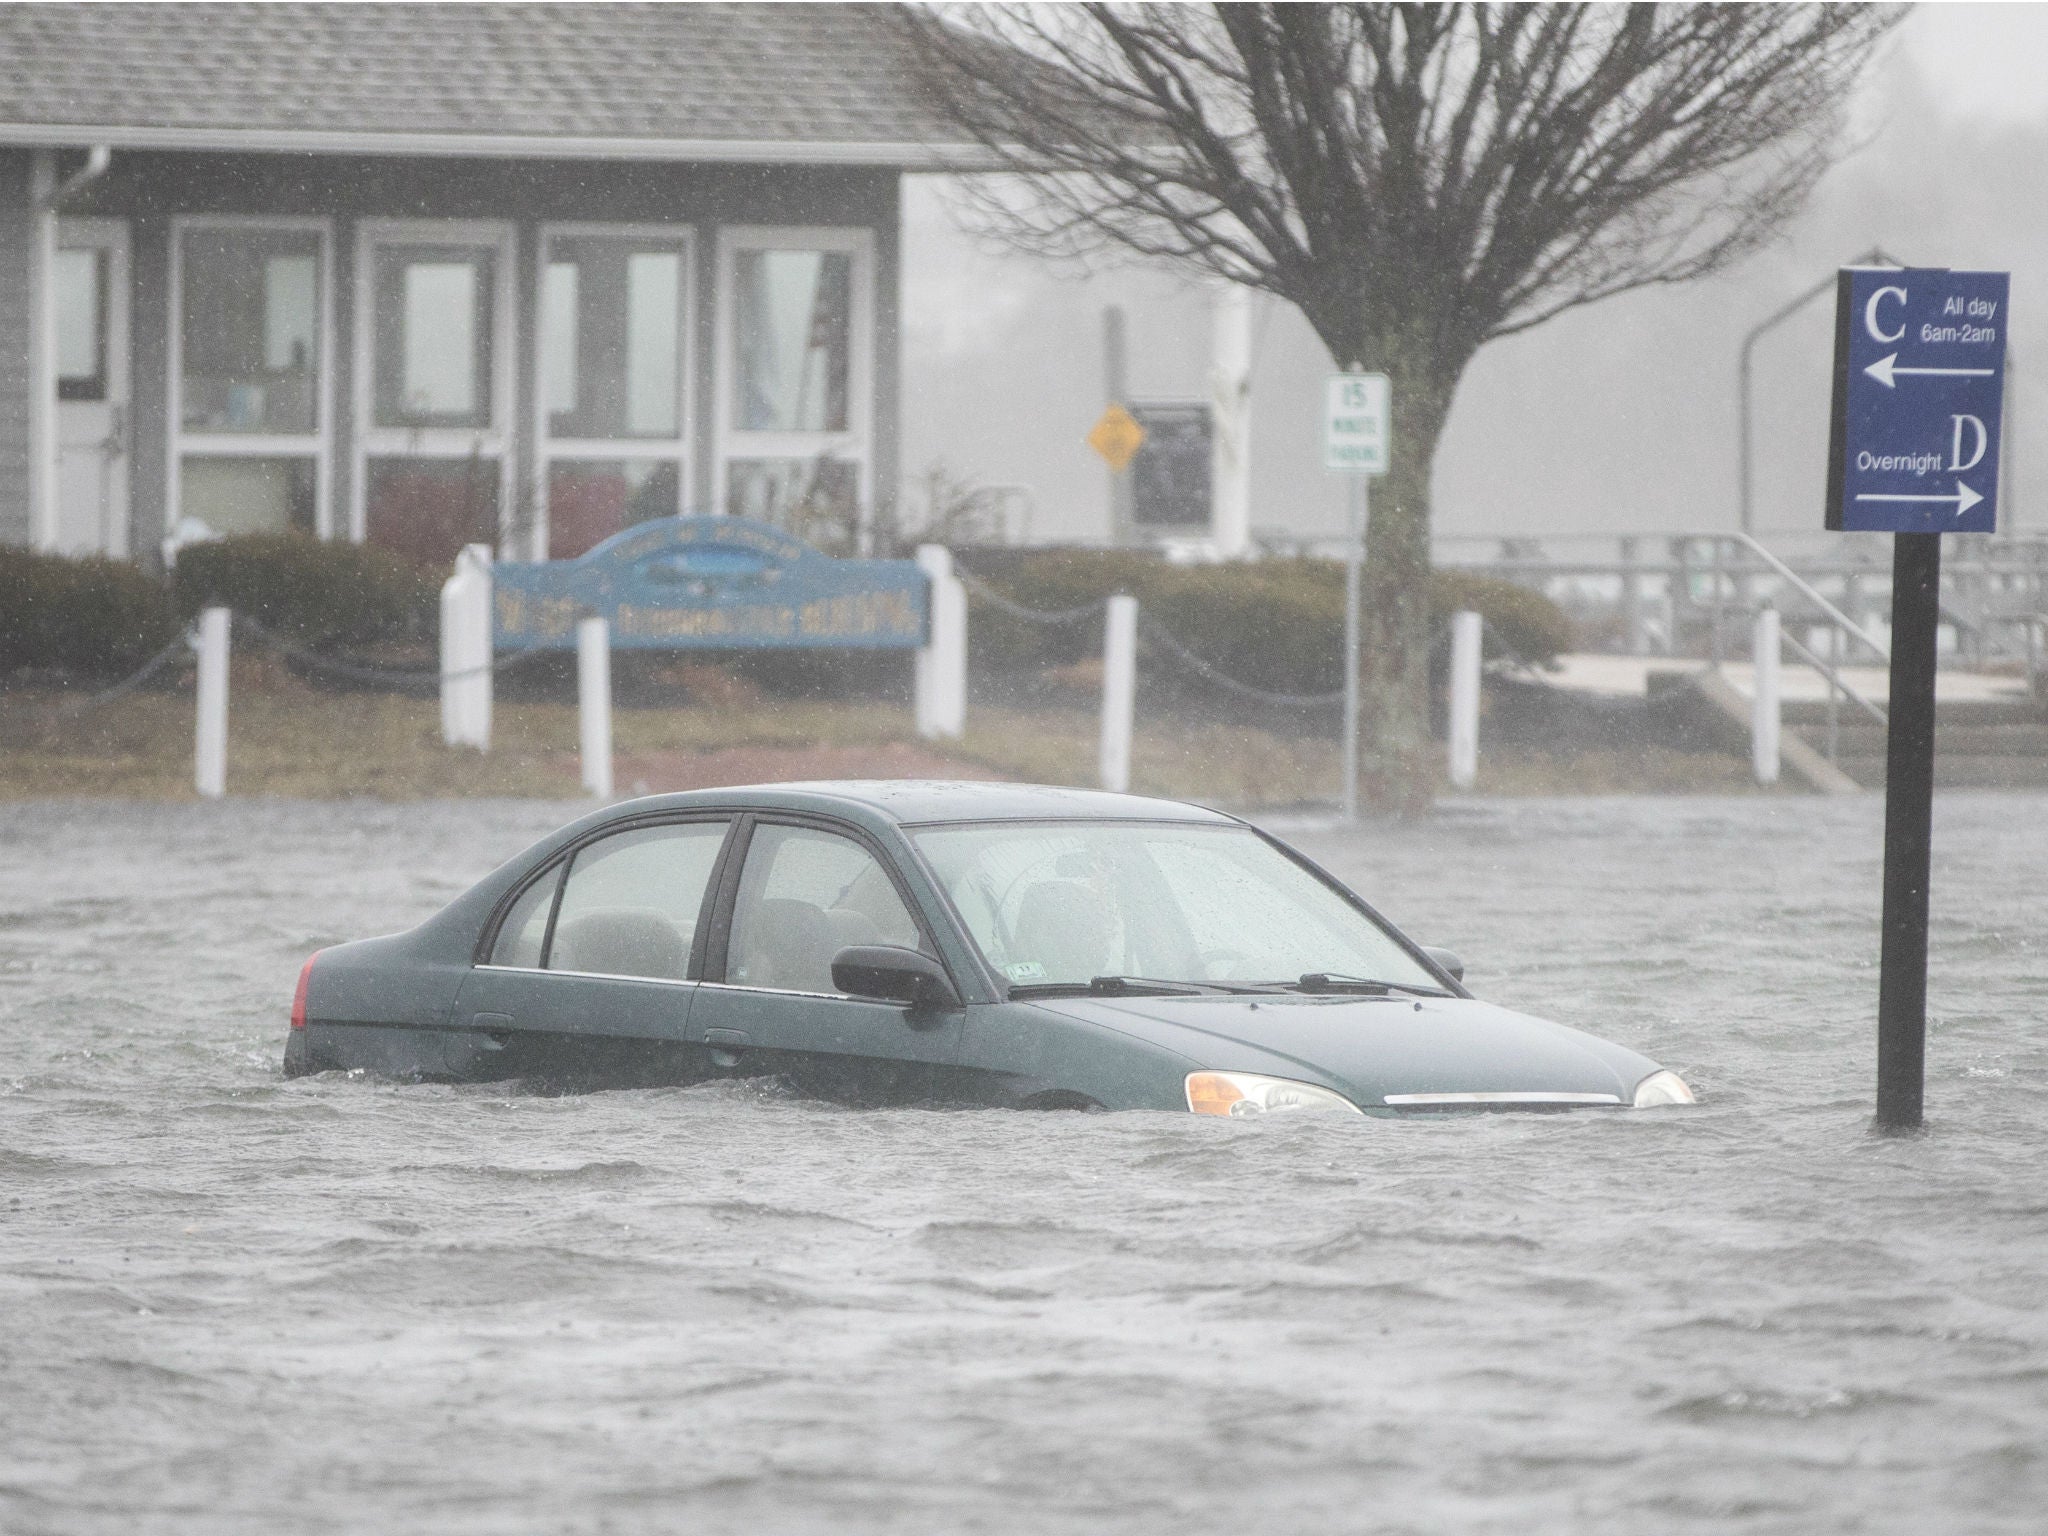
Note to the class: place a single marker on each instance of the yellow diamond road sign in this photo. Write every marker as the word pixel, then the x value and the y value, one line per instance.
pixel 1117 437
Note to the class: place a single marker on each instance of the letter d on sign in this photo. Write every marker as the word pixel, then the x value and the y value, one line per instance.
pixel 1956 460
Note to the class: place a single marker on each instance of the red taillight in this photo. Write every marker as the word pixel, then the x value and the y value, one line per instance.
pixel 299 996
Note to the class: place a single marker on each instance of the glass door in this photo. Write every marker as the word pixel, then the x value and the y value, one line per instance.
pixel 91 281
pixel 614 372
pixel 433 386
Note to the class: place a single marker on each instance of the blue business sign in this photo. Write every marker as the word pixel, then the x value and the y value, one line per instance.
pixel 1919 383
pixel 705 583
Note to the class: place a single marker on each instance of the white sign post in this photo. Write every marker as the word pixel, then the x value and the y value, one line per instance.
pixel 1357 439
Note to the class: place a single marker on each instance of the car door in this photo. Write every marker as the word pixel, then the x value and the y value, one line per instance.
pixel 592 967
pixel 799 892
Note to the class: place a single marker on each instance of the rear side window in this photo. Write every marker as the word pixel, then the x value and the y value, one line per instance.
pixel 525 928
pixel 632 900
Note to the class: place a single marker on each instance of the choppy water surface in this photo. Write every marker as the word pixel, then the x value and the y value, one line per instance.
pixel 231 1303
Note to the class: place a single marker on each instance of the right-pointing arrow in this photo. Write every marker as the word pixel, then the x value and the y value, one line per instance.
pixel 1964 498
pixel 1885 369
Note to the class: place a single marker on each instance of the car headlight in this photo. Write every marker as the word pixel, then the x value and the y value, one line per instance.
pixel 1662 1088
pixel 1247 1093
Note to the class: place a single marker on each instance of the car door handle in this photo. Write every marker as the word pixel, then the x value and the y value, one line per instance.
pixel 496 1028
pixel 726 1045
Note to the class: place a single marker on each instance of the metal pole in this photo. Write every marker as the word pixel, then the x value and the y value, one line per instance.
pixel 1838 648
pixel 1632 601
pixel 1908 832
pixel 1354 584
pixel 1115 385
pixel 1720 642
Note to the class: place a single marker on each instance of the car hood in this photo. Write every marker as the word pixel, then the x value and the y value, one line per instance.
pixel 1370 1047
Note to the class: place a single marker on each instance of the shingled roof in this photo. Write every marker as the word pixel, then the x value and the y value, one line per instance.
pixel 668 81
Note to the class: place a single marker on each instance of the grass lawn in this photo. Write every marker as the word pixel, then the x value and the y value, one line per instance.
pixel 288 739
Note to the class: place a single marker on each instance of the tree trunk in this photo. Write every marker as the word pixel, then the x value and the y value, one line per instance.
pixel 1397 755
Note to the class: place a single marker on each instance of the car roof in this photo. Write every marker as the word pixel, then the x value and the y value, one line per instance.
pixel 916 802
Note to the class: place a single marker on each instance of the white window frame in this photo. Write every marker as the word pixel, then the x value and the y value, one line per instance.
pixel 547 448
pixel 317 445
pixel 854 445
pixel 492 441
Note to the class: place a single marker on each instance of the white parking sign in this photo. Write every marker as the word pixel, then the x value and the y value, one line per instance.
pixel 1355 428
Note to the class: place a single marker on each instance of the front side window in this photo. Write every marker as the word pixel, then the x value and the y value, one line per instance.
pixel 804 896
pixel 631 902
pixel 1066 902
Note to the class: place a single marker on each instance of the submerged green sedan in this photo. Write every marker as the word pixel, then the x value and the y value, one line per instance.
pixel 941 943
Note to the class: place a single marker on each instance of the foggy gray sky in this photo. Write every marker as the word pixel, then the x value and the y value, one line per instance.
pixel 1616 417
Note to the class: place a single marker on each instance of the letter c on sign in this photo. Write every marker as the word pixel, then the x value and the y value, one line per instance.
pixel 1870 323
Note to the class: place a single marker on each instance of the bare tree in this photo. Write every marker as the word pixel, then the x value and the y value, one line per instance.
pixel 1416 179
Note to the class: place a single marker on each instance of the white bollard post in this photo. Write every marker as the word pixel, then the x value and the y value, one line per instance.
pixel 594 704
pixel 940 686
pixel 1119 690
pixel 466 681
pixel 1230 409
pixel 1464 731
pixel 1764 713
pixel 210 737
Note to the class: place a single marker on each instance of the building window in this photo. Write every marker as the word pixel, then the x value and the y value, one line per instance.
pixel 792 313
pixel 81 297
pixel 614 354
pixel 250 331
pixel 240 494
pixel 434 358
pixel 430 508
pixel 434 335
pixel 818 500
pixel 794 419
pixel 250 338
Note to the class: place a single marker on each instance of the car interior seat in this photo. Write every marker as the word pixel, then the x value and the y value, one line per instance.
pixel 1065 926
pixel 788 945
pixel 622 941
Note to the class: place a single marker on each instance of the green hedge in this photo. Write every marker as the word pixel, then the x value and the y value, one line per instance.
pixel 1275 624
pixel 86 615
pixel 316 593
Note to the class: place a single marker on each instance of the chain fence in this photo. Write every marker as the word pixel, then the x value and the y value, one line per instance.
pixel 182 646
pixel 362 672
pixel 1016 610
pixel 1165 643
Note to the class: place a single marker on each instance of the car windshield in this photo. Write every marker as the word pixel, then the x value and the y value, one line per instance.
pixel 1063 903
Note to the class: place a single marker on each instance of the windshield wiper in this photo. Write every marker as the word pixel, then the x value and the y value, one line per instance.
pixel 1110 986
pixel 1368 986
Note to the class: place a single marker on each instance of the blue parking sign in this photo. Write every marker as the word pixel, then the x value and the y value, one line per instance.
pixel 1919 387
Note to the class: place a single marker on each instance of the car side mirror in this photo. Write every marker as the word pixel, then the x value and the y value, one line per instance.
pixel 891 974
pixel 1446 962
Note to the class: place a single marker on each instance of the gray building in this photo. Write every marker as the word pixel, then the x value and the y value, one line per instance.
pixel 429 274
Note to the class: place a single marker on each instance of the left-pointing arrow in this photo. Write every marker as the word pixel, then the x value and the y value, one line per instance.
pixel 1885 369
pixel 1964 498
